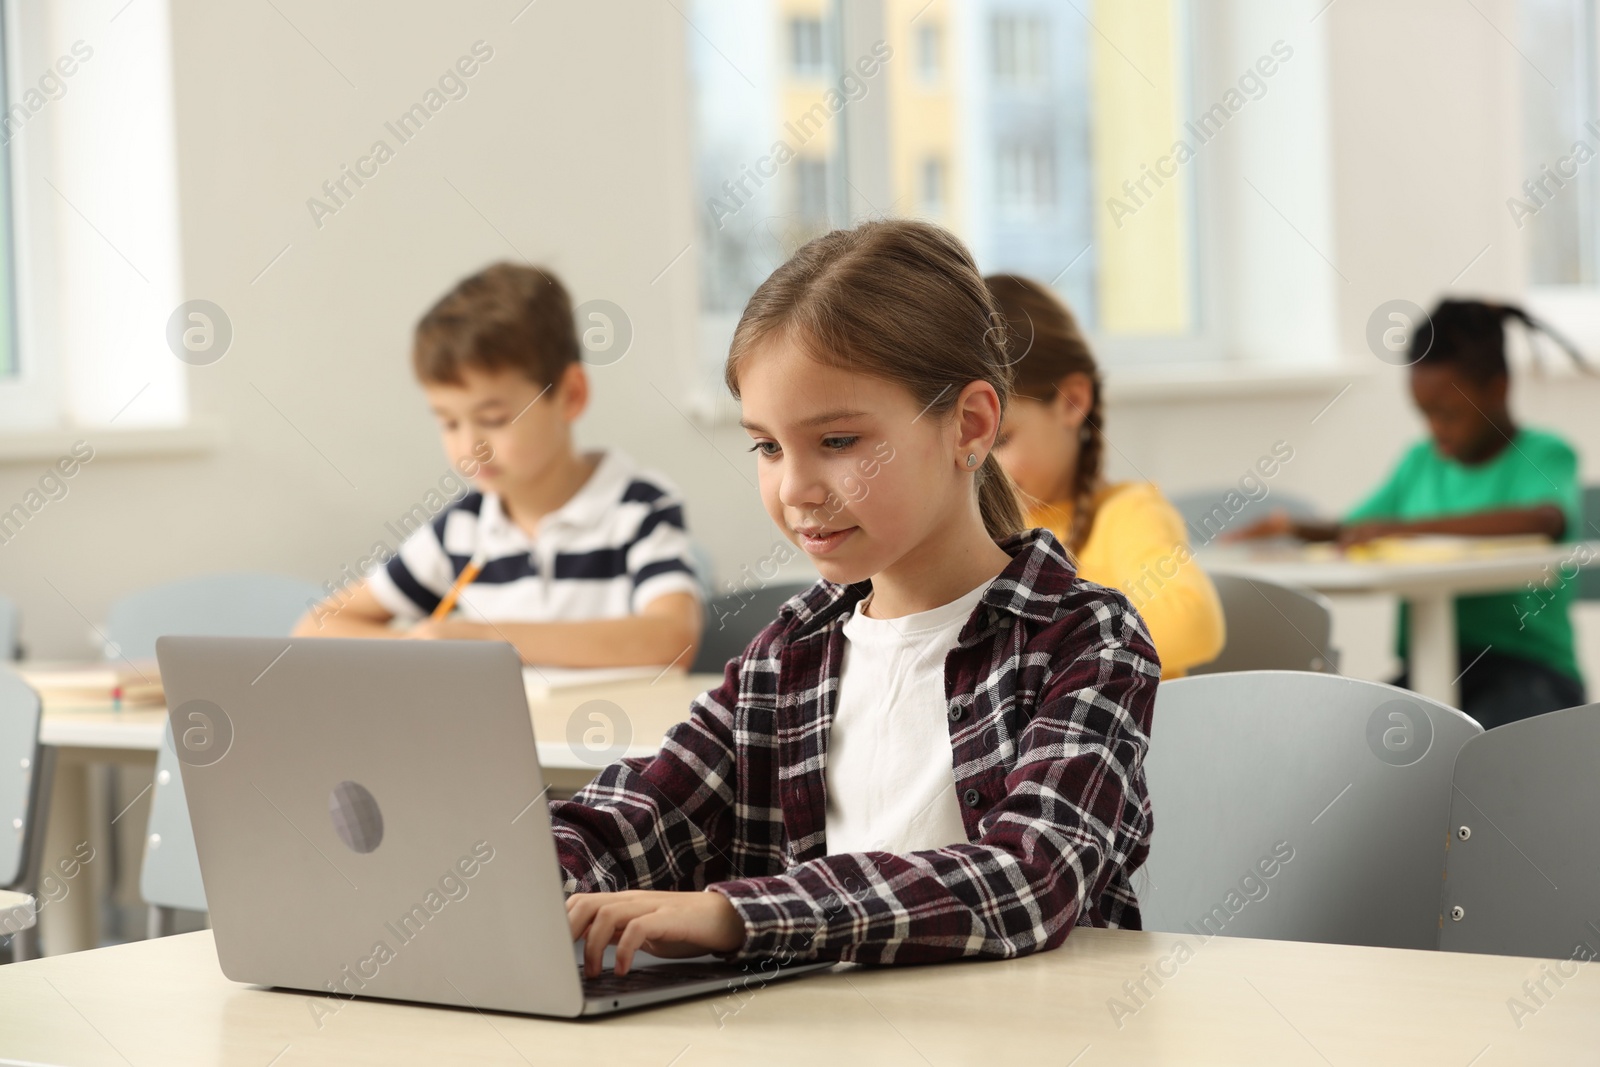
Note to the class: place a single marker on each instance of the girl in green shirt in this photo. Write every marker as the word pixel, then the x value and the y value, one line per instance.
pixel 1481 475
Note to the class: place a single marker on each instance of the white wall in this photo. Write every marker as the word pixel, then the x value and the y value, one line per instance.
pixel 573 145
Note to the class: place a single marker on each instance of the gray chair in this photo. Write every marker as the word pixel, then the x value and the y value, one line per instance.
pixel 1523 851
pixel 1272 627
pixel 733 620
pixel 704 569
pixel 227 605
pixel 24 802
pixel 10 627
pixel 1207 515
pixel 1589 577
pixel 18 916
pixel 1298 806
pixel 170 876
pixel 218 605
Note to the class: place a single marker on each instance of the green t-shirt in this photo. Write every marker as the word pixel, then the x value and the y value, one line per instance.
pixel 1536 468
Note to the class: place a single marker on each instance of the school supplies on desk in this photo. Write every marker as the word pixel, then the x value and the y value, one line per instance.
pixel 1438 548
pixel 66 684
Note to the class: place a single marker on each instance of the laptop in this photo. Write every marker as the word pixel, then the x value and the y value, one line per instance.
pixel 370 818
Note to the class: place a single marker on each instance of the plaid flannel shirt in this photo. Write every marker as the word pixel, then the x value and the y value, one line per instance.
pixel 1049 696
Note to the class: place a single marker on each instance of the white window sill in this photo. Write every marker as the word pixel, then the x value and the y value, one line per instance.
pixel 1162 384
pixel 45 446
pixel 1182 383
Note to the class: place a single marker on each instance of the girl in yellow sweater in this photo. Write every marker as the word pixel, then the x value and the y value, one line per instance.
pixel 1125 535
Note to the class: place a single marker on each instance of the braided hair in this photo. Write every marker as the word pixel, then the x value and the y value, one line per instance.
pixel 1045 346
pixel 1469 335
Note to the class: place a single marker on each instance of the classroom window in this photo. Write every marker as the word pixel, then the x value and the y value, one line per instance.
pixel 805 47
pixel 1025 180
pixel 1034 129
pixel 811 193
pixel 93 278
pixel 767 150
pixel 930 45
pixel 1020 47
pixel 9 123
pixel 933 182
pixel 1558 204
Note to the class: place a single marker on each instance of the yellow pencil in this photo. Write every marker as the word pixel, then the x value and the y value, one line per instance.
pixel 464 579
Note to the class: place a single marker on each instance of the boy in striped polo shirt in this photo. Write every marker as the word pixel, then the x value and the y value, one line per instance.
pixel 584 558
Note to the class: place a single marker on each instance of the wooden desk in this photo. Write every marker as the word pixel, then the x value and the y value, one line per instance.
pixel 1234 1001
pixel 649 709
pixel 1430 588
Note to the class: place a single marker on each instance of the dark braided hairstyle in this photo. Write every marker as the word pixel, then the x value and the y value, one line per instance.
pixel 1045 345
pixel 1470 336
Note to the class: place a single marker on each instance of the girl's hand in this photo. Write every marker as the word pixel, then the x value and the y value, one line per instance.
pixel 671 925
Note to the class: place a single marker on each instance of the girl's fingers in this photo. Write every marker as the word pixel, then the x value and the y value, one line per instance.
pixel 634 935
pixel 580 909
pixel 602 928
pixel 631 921
pixel 606 926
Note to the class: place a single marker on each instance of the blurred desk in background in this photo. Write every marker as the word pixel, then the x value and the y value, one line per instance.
pixel 1428 573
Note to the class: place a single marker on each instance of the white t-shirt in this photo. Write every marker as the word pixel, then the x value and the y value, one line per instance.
pixel 891 783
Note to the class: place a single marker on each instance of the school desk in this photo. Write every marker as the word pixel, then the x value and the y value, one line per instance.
pixel 1105 997
pixel 578 731
pixel 1428 586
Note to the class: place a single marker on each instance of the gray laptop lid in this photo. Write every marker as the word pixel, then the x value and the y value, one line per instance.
pixel 370 819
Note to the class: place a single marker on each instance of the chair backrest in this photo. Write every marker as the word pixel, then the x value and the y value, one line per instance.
pixel 10 625
pixel 704 568
pixel 170 876
pixel 1210 512
pixel 1523 854
pixel 218 605
pixel 1589 577
pixel 223 605
pixel 1272 627
pixel 1298 806
pixel 733 620
pixel 19 770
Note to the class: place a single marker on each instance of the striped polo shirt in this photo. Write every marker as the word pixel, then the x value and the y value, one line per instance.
pixel 618 544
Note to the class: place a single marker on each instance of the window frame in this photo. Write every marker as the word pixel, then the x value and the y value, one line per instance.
pixel 1573 309
pixel 32 397
pixel 1225 343
pixel 89 348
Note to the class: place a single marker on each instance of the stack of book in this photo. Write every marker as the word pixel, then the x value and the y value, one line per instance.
pixel 121 684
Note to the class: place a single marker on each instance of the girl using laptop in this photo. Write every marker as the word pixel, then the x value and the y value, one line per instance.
pixel 937 750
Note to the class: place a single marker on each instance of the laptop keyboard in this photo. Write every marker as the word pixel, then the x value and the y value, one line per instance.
pixel 646 979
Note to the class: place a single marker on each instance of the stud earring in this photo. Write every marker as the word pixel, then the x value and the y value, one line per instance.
pixel 972 458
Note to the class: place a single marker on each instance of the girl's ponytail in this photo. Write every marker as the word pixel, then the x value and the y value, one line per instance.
pixel 1045 346
pixel 997 500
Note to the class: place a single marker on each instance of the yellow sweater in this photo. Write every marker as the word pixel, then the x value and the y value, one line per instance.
pixel 1138 544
